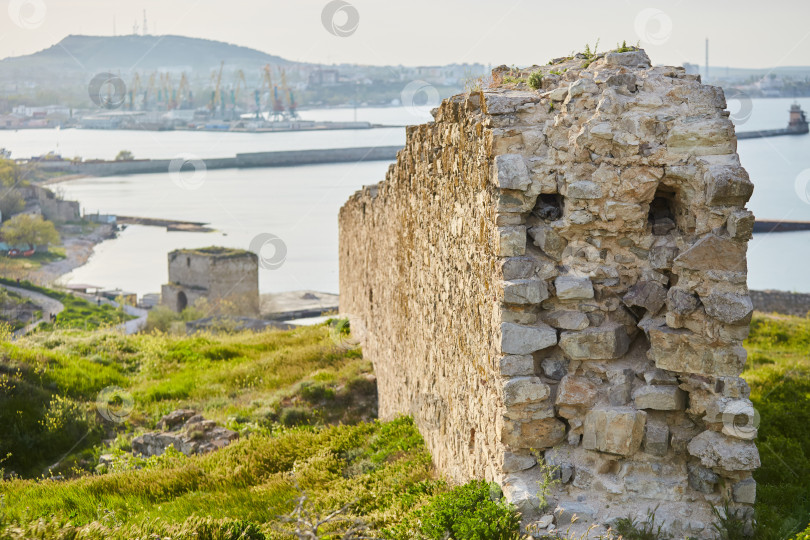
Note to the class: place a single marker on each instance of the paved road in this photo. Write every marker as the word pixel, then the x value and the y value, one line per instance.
pixel 48 305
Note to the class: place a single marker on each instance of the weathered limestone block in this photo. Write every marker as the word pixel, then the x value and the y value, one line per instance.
pixel 512 241
pixel 566 319
pixel 621 386
pixel 547 238
pixel 614 431
pixel 646 294
pixel 524 291
pixel 681 302
pixel 514 365
pixel 517 268
pixel 716 450
pixel 713 253
pixel 520 339
pixel 576 392
pixel 729 308
pixel 745 491
pixel 524 390
pixel 687 352
pixel 537 434
pixel 510 172
pixel 604 342
pixel 659 398
pixel 656 438
pixel 702 479
pixel 700 136
pixel 584 189
pixel 727 186
pixel 517 462
pixel 573 288
pixel 740 225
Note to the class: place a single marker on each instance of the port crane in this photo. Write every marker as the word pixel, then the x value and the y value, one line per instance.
pixel 184 92
pixel 268 87
pixel 216 94
pixel 236 92
pixel 291 105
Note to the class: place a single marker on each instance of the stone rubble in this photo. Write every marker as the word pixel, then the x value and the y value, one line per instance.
pixel 185 430
pixel 561 273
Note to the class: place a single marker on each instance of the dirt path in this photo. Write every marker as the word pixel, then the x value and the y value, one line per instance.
pixel 49 307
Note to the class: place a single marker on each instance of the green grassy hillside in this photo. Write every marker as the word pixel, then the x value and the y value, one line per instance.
pixel 304 405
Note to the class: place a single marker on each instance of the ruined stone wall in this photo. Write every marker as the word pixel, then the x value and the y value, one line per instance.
pixel 561 273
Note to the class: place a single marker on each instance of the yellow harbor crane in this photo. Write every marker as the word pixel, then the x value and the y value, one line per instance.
pixel 239 86
pixel 183 92
pixel 216 94
pixel 150 91
pixel 291 105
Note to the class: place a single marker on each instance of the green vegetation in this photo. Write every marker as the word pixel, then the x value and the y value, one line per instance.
pixel 474 511
pixel 536 79
pixel 29 229
pixel 625 48
pixel 308 445
pixel 283 466
pixel 78 312
pixel 631 529
pixel 779 375
pixel 124 155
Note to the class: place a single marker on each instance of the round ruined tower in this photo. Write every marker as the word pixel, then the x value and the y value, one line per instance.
pixel 560 273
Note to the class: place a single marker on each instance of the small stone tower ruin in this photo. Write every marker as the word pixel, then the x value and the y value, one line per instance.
pixel 228 278
pixel 560 274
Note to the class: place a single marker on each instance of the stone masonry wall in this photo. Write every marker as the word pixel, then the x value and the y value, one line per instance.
pixel 560 273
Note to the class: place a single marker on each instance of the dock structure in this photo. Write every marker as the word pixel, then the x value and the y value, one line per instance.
pixel 796 126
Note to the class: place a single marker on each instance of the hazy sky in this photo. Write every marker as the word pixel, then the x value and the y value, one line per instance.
pixel 743 33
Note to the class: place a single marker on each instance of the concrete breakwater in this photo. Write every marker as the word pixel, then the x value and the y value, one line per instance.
pixel 767 226
pixel 282 158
